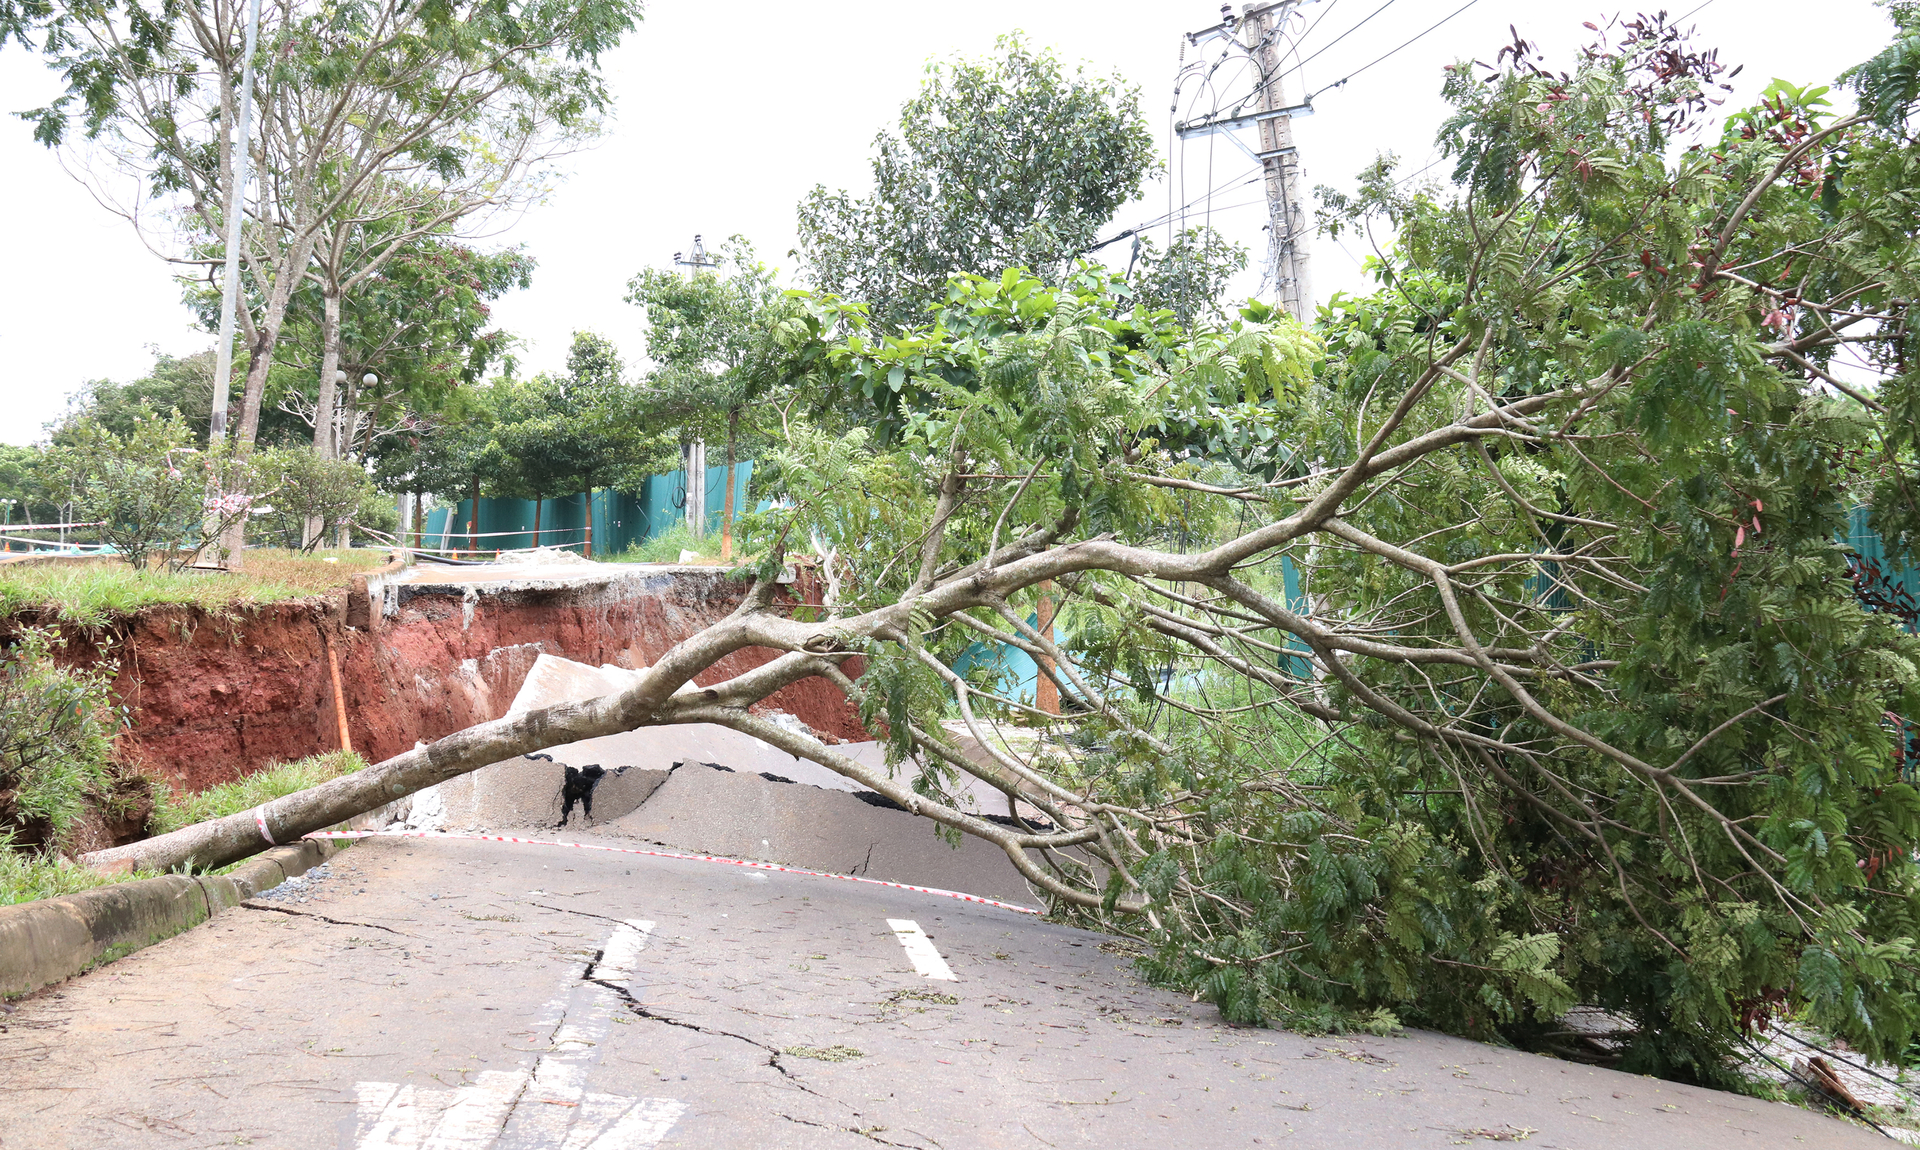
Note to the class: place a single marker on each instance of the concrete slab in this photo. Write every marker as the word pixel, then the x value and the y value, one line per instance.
pixel 519 793
pixel 533 574
pixel 708 810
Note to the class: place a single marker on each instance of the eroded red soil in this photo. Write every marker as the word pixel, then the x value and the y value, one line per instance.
pixel 213 699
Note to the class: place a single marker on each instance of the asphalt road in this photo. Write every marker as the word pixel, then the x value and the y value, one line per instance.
pixel 463 995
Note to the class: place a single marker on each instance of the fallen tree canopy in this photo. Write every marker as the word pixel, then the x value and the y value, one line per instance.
pixel 1490 648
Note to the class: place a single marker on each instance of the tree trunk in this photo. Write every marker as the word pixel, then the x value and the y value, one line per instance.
pixel 419 523
pixel 325 439
pixel 1046 693
pixel 325 397
pixel 726 515
pixel 536 520
pixel 587 550
pixel 348 428
pixel 473 519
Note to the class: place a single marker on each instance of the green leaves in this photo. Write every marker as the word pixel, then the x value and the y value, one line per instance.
pixel 150 489
pixel 1889 84
pixel 1008 162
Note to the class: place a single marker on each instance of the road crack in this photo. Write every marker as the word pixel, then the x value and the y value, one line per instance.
pixel 570 910
pixel 324 918
pixel 871 1133
pixel 773 1053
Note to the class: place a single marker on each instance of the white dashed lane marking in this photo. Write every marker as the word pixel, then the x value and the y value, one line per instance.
pixel 551 1108
pixel 920 949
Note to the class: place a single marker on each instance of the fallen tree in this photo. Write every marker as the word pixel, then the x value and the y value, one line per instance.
pixel 1491 648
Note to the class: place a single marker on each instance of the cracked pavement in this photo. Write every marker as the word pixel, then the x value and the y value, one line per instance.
pixel 758 1010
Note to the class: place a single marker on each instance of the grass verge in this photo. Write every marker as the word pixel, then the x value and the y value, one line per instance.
pixel 667 546
pixel 93 593
pixel 174 810
pixel 29 875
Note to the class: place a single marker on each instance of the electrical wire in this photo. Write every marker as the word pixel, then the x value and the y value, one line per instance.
pixel 1336 39
pixel 1328 11
pixel 1391 52
pixel 1250 177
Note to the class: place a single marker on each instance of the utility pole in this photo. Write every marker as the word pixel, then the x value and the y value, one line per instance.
pixel 1287 253
pixel 700 258
pixel 1288 229
pixel 693 457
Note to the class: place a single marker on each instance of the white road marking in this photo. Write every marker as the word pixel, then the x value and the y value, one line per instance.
pixel 549 1108
pixel 926 959
pixel 412 1118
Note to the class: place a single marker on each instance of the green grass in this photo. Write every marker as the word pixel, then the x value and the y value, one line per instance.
pixel 666 547
pixel 177 810
pixel 26 876
pixel 29 875
pixel 93 593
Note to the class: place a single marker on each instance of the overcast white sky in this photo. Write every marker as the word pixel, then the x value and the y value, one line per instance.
pixel 728 114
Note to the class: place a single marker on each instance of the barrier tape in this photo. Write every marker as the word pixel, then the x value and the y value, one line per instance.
pixel 260 818
pixel 973 898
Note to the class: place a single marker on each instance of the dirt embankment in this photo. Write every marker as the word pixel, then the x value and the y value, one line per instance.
pixel 213 698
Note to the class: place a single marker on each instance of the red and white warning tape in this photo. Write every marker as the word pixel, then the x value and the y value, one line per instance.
pixel 974 898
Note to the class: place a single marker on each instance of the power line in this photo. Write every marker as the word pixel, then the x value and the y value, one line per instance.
pixel 1336 39
pixel 1383 56
pixel 1328 11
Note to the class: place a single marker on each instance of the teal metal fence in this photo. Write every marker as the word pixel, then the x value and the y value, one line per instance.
pixel 621 519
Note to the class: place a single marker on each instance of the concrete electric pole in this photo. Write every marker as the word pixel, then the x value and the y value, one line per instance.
pixel 693 457
pixel 1288 227
pixel 1287 258
pixel 236 211
pixel 699 259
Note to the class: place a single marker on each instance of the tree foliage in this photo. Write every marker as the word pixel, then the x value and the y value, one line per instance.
pixel 999 163
pixel 1490 649
pixel 377 124
pixel 332 493
pixel 151 489
pixel 1190 278
pixel 561 435
pixel 717 342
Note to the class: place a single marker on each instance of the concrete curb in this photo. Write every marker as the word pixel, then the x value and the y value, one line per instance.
pixel 51 939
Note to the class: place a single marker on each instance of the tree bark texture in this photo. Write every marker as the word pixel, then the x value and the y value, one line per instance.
pixel 726 515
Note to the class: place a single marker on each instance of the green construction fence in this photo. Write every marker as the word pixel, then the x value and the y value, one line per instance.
pixel 620 518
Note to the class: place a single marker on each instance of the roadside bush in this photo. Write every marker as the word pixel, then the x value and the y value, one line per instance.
pixel 377 513
pixel 56 735
pixel 309 487
pixel 666 547
pixel 151 489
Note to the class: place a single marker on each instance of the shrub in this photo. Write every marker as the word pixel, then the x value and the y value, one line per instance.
pixel 56 734
pixel 151 488
pixel 311 487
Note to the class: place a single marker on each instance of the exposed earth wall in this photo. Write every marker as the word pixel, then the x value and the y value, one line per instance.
pixel 212 697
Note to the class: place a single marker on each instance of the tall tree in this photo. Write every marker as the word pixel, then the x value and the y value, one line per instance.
pixel 419 325
pixel 559 435
pixel 999 163
pixel 1190 278
pixel 716 341
pixel 394 118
